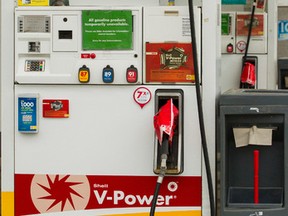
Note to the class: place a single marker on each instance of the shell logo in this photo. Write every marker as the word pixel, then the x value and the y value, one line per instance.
pixel 57 193
pixel 172 186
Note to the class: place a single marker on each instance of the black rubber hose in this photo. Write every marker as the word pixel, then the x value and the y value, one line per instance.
pixel 164 151
pixel 250 30
pixel 200 110
pixel 246 85
pixel 155 197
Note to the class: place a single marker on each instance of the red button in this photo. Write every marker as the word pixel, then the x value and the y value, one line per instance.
pixel 229 48
pixel 93 55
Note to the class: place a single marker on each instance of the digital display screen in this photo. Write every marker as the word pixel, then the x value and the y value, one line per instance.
pixel 33 23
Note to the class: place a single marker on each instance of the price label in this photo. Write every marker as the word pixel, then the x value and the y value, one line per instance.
pixel 84 74
pixel 108 75
pixel 132 74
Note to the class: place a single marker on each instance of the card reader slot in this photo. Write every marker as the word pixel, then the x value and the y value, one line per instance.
pixel 65 34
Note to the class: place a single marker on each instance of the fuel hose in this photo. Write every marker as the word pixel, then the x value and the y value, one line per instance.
pixel 244 83
pixel 200 110
pixel 201 125
pixel 164 155
pixel 155 196
pixel 165 122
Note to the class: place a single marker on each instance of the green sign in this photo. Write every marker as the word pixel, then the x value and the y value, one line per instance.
pixel 107 30
pixel 225 22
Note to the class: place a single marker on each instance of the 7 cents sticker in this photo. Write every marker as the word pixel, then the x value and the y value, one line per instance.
pixel 142 96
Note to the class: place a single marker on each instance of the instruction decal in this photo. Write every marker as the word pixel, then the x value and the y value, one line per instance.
pixel 55 108
pixel 28 114
pixel 283 30
pixel 225 24
pixel 107 30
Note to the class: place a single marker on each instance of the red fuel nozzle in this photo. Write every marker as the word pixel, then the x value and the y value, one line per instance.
pixel 164 124
pixel 248 75
pixel 165 121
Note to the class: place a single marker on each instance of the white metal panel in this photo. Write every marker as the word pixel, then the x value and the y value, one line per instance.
pixel 211 63
pixel 170 24
pixel 7 92
pixel 65 23
pixel 232 69
pixel 181 2
pixel 272 76
pixel 107 133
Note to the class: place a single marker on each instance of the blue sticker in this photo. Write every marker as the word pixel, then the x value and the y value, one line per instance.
pixel 108 75
pixel 27 115
pixel 283 30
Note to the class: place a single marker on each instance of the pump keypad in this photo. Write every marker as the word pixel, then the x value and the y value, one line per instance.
pixel 35 65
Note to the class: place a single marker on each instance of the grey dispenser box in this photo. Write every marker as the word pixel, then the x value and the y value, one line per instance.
pixel 245 108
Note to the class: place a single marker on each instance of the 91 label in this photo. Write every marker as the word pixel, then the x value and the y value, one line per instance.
pixel 132 74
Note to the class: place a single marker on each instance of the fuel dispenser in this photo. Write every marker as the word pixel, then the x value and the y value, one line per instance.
pixel 88 82
pixel 244 47
pixel 253 156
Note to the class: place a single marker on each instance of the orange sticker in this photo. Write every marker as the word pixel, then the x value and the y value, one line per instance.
pixel 169 62
pixel 55 108
pixel 243 22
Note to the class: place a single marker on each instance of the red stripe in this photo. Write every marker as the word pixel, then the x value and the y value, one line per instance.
pixel 121 192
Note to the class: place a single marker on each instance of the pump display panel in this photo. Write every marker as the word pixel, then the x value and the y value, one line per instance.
pixel 52 45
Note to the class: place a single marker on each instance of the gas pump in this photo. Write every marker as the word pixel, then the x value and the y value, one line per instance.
pixel 88 81
pixel 244 46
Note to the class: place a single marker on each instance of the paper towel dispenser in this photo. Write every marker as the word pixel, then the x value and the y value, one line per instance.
pixel 283 73
pixel 253 135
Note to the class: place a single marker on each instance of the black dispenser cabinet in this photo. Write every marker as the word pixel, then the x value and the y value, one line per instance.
pixel 252 152
pixel 283 73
